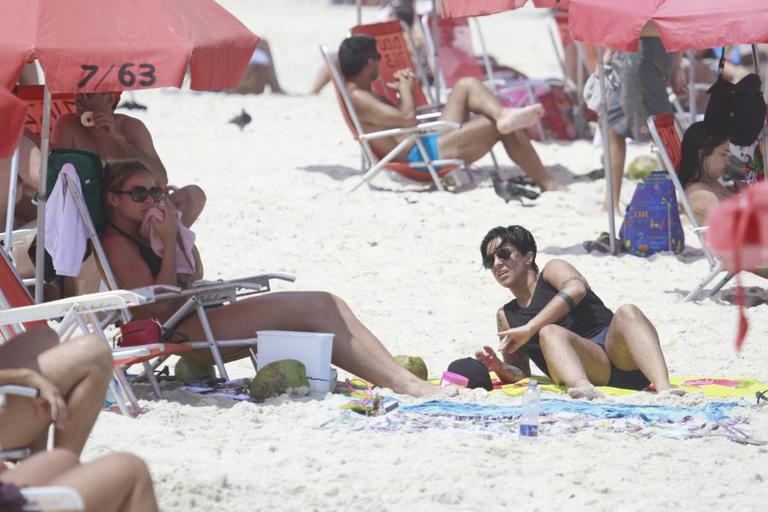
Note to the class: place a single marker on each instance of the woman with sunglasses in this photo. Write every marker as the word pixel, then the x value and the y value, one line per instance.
pixel 557 321
pixel 704 156
pixel 130 190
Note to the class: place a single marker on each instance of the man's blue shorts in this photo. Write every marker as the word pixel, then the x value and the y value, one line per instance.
pixel 430 144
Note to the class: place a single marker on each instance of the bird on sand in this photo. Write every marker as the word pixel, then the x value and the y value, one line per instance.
pixel 241 120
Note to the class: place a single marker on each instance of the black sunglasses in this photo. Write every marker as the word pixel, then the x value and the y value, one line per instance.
pixel 376 56
pixel 504 254
pixel 139 194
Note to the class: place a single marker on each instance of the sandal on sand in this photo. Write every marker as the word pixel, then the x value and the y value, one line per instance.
pixel 601 244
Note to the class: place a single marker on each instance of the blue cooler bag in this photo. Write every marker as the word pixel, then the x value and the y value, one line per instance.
pixel 652 222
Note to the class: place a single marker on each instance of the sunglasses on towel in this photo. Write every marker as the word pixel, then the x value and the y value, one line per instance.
pixel 503 254
pixel 140 194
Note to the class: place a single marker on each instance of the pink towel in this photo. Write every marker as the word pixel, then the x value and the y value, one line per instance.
pixel 185 260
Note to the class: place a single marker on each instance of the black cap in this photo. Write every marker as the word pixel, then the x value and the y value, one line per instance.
pixel 474 370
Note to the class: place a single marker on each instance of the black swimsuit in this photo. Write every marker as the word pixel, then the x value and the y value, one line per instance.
pixel 152 260
pixel 590 319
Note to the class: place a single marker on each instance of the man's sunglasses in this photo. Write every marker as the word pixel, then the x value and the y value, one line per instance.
pixel 139 194
pixel 504 254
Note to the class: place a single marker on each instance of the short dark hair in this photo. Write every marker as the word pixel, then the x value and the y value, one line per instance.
pixel 516 236
pixel 354 53
pixel 699 142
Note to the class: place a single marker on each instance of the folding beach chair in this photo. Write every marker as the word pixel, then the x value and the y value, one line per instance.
pixel 376 163
pixel 667 134
pixel 195 299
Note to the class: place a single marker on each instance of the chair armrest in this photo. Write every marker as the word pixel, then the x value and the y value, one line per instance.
pixel 52 498
pixel 13 389
pixel 428 127
pixel 90 303
pixel 428 116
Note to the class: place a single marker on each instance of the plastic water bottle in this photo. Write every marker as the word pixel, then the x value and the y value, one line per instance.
pixel 529 421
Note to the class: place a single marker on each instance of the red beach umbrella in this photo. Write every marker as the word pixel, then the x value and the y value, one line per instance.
pixel 682 24
pixel 116 45
pixel 113 45
pixel 12 113
pixel 465 8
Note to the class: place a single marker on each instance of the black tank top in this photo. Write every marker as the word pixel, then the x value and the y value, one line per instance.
pixel 153 261
pixel 588 318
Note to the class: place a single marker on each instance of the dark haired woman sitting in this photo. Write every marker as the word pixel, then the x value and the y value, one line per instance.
pixel 704 157
pixel 130 190
pixel 557 321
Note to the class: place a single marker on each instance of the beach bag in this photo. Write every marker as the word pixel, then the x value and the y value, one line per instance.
pixel 738 234
pixel 737 109
pixel 651 223
pixel 140 332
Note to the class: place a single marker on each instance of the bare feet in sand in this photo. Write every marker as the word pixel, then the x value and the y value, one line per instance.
pixel 512 119
pixel 586 392
pixel 671 391
pixel 553 186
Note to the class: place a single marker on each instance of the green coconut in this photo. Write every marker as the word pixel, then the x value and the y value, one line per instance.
pixel 641 167
pixel 190 370
pixel 278 377
pixel 413 364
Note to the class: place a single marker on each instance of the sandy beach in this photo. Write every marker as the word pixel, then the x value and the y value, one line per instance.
pixel 407 262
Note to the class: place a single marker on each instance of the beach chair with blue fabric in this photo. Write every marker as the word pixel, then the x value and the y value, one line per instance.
pixel 375 163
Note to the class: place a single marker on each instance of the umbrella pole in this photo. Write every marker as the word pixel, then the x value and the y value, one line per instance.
pixel 40 249
pixel 765 122
pixel 692 93
pixel 11 210
pixel 359 12
pixel 606 149
pixel 436 51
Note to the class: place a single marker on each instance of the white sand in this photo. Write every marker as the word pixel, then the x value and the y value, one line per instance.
pixel 408 264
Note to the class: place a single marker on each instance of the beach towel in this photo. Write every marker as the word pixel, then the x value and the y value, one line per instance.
pixel 185 259
pixel 560 417
pixel 712 387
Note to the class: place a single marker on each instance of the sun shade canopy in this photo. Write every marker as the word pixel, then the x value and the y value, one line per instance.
pixel 114 45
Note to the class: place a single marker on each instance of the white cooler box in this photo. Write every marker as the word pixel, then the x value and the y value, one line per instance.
pixel 313 349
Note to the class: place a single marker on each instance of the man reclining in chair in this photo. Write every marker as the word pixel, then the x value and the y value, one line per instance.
pixel 120 137
pixel 484 121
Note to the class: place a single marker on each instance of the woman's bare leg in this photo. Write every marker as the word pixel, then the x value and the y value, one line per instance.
pixel 618 145
pixel 79 368
pixel 574 361
pixel 116 483
pixel 632 343
pixel 355 348
pixel 41 468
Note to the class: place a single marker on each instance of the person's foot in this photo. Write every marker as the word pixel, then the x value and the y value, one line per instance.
pixel 553 185
pixel 669 389
pixel 585 392
pixel 512 119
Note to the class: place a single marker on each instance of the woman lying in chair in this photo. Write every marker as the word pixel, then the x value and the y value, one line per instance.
pixel 130 191
pixel 118 482
pixel 704 157
pixel 72 380
pixel 557 321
